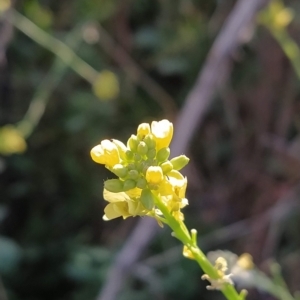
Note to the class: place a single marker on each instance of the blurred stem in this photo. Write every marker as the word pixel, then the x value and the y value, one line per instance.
pixel 65 53
pixel 264 283
pixel 181 232
pixel 44 90
pixel 288 45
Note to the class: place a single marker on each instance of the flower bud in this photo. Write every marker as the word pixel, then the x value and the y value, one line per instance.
pixel 133 174
pixel 154 175
pixel 143 129
pixel 114 185
pixel 129 184
pixel 120 170
pixel 179 162
pixel 132 143
pixel 151 153
pixel 129 155
pixel 147 199
pixel 137 157
pixel 141 183
pixel 106 153
pixel 162 132
pixel 163 154
pixel 166 167
pixel 150 142
pixel 142 148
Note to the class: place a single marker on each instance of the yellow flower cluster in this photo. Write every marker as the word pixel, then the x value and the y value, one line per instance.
pixel 144 173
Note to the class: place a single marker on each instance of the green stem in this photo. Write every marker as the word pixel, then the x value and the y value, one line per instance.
pixel 181 232
pixel 61 50
pixel 46 87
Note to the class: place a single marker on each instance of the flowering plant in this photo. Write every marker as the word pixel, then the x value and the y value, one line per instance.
pixel 150 184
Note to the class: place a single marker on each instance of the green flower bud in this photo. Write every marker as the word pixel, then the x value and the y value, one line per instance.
pixel 114 185
pixel 137 157
pixel 147 199
pixel 150 142
pixel 151 153
pixel 166 167
pixel 141 183
pixel 163 154
pixel 129 184
pixel 131 166
pixel 132 143
pixel 133 174
pixel 129 155
pixel 120 170
pixel 179 162
pixel 142 148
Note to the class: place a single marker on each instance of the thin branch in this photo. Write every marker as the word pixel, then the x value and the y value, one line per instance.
pixel 136 73
pixel 65 53
pixel 214 73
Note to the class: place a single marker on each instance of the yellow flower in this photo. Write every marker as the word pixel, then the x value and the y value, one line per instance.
pixel 162 132
pixel 245 261
pixel 106 86
pixel 154 175
pixel 143 129
pixel 11 140
pixel 123 204
pixel 106 153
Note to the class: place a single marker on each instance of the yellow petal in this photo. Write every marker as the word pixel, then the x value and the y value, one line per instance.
pixel 110 212
pixel 162 132
pixel 115 197
pixel 154 175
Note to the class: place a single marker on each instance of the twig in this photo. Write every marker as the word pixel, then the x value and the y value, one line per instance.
pixel 65 53
pixel 43 92
pixel 214 73
pixel 136 73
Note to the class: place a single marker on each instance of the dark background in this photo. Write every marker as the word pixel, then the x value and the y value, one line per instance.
pixel 245 160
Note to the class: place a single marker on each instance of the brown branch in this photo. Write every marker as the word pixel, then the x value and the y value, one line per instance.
pixel 214 73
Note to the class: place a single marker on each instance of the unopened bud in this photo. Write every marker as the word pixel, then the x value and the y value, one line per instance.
pixel 142 148
pixel 163 154
pixel 179 162
pixel 141 183
pixel 129 155
pixel 150 142
pixel 151 153
pixel 132 143
pixel 147 199
pixel 114 185
pixel 166 167
pixel 129 184
pixel 120 170
pixel 133 174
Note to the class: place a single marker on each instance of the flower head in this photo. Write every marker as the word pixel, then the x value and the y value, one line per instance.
pixel 144 173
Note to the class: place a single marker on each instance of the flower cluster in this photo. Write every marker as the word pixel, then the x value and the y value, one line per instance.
pixel 144 173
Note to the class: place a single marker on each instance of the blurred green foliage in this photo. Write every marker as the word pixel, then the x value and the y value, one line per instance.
pixel 53 243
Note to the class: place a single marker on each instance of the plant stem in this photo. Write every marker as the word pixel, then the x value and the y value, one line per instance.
pixel 65 53
pixel 181 232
